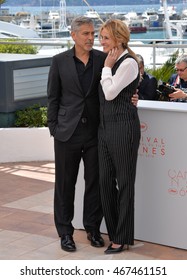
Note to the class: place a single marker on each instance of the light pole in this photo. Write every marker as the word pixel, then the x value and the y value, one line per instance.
pixel 63 24
pixel 41 18
pixel 168 27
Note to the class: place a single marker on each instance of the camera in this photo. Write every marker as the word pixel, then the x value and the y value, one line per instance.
pixel 163 91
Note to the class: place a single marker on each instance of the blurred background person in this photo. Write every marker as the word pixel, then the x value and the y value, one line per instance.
pixel 179 80
pixel 147 89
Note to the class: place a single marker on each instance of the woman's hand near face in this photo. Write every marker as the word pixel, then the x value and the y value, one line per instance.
pixel 111 57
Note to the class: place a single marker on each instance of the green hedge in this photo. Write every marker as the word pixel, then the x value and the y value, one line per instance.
pixel 18 49
pixel 33 116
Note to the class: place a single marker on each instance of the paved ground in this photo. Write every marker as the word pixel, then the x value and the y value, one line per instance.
pixel 27 230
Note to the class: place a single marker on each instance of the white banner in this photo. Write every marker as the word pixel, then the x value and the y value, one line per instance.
pixel 161 181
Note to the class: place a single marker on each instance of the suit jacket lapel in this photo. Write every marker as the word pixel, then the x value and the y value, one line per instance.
pixel 73 71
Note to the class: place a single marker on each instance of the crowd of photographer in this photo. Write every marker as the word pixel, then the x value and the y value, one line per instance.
pixel 176 88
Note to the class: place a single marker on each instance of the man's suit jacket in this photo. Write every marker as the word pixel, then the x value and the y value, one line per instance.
pixel 148 87
pixel 66 101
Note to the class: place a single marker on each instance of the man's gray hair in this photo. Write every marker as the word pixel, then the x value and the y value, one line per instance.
pixel 140 58
pixel 182 58
pixel 79 21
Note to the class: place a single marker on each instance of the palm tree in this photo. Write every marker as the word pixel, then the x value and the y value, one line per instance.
pixel 2 2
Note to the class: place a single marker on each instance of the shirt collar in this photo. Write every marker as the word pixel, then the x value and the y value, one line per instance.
pixel 90 55
pixel 123 53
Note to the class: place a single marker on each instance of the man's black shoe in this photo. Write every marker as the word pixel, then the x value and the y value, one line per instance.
pixel 67 243
pixel 95 239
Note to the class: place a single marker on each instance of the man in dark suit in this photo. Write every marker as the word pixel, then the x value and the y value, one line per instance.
pixel 73 118
pixel 147 89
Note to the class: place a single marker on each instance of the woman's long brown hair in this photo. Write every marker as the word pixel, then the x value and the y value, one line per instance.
pixel 119 32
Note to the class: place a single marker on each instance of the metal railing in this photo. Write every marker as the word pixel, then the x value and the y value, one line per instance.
pixel 151 49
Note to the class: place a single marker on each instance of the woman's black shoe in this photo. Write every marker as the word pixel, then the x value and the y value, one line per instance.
pixel 111 250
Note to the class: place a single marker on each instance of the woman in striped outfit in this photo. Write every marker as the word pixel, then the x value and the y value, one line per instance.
pixel 119 134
